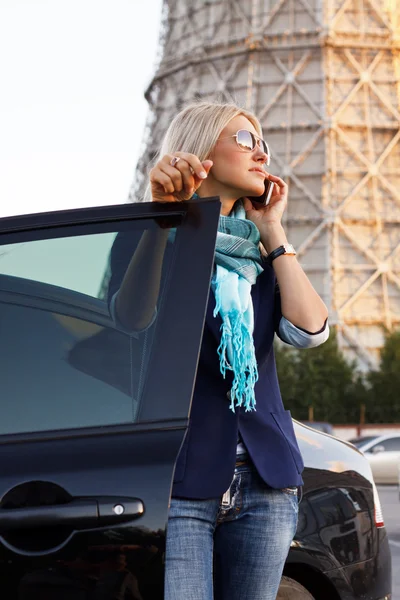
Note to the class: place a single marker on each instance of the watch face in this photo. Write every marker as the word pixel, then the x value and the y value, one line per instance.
pixel 289 249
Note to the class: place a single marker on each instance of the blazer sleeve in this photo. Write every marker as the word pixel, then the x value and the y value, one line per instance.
pixel 121 253
pixel 122 250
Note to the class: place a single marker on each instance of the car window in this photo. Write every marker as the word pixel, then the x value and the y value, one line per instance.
pixel 391 445
pixel 67 360
pixel 361 441
pixel 58 261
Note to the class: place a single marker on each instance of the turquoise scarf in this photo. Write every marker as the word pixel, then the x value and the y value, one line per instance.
pixel 237 266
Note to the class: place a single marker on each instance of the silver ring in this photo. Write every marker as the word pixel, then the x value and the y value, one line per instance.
pixel 174 161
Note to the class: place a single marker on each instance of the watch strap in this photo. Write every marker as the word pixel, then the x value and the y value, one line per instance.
pixel 284 249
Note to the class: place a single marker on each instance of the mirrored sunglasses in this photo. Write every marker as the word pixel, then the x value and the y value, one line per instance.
pixel 247 141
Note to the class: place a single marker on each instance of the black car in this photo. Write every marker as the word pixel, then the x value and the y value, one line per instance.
pixel 92 417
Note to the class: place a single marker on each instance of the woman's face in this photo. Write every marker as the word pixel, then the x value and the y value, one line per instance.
pixel 235 172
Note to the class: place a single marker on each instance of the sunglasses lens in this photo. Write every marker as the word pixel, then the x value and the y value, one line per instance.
pixel 245 140
pixel 265 149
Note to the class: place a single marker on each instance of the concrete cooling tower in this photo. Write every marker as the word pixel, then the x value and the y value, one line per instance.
pixel 323 76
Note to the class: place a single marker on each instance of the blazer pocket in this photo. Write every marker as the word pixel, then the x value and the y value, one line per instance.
pixel 283 419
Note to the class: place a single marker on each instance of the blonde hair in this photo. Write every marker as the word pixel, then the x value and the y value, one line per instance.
pixel 196 129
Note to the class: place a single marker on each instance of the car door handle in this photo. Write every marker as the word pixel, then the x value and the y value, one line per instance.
pixel 80 513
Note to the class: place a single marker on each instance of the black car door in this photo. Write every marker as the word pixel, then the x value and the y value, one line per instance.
pixel 95 392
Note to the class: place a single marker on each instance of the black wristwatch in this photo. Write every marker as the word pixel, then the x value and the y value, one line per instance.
pixel 285 249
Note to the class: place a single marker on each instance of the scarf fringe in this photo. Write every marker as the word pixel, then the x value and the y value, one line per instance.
pixel 234 332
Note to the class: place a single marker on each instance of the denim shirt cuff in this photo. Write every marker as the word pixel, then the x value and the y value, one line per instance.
pixel 299 338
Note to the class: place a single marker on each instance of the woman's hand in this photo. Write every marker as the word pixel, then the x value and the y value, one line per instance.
pixel 268 218
pixel 265 216
pixel 174 180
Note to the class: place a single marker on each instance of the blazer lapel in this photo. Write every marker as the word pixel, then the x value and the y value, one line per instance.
pixel 255 296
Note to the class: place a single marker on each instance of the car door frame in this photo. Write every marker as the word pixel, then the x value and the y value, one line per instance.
pixel 194 253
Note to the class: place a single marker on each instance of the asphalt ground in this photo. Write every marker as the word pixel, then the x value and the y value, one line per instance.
pixel 389 496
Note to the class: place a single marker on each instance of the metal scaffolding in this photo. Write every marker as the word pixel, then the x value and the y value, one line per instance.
pixel 323 76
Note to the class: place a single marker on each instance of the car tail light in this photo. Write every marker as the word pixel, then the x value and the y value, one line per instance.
pixel 379 522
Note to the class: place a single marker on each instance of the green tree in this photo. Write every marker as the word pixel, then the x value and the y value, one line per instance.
pixel 384 397
pixel 323 378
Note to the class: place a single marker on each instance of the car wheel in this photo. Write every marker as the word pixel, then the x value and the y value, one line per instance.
pixel 290 589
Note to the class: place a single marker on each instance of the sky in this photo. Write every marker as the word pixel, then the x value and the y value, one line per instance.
pixel 72 107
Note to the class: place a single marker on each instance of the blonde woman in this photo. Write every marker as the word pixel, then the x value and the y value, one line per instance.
pixel 234 504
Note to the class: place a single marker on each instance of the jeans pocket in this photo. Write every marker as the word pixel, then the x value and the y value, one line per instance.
pixel 291 496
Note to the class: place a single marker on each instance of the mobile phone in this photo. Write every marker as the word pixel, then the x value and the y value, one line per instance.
pixel 264 199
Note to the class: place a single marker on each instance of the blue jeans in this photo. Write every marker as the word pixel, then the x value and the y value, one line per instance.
pixel 232 548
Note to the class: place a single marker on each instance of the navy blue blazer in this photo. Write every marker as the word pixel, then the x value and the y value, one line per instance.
pixel 206 462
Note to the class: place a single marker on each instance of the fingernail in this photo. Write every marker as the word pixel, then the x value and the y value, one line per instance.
pixel 203 174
